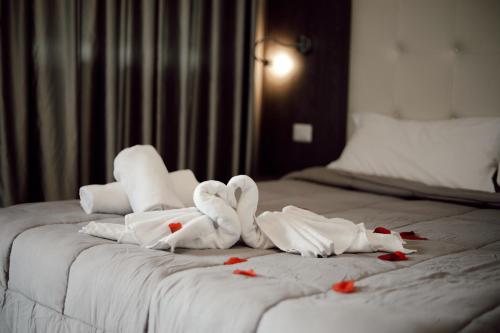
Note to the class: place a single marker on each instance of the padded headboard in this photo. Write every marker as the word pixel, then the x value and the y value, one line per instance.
pixel 425 59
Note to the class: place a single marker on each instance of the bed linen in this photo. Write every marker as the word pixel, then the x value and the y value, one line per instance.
pixel 54 279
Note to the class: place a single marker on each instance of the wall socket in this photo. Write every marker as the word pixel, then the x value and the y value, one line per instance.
pixel 302 132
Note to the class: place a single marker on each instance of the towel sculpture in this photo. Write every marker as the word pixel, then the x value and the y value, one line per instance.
pixel 297 230
pixel 222 215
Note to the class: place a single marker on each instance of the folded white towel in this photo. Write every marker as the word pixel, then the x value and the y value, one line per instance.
pixel 246 208
pixel 111 231
pixel 298 230
pixel 212 224
pixel 145 179
pixel 107 199
pixel 112 199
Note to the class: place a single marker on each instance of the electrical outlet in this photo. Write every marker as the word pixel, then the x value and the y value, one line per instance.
pixel 302 132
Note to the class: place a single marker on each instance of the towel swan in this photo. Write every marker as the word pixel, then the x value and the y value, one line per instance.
pixel 212 223
pixel 246 208
pixel 298 230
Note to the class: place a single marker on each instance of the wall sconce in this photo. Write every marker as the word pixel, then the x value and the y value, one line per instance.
pixel 281 63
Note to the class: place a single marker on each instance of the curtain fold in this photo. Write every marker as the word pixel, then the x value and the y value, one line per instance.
pixel 81 80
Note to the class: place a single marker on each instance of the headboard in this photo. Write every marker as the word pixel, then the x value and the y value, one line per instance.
pixel 425 59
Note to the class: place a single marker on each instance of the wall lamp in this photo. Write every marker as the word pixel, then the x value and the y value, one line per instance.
pixel 281 63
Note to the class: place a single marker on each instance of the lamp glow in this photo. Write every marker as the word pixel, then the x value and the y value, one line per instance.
pixel 281 64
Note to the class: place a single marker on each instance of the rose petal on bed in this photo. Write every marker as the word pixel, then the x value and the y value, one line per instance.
pixel 411 235
pixel 176 226
pixel 234 260
pixel 381 230
pixel 250 272
pixel 394 256
pixel 344 286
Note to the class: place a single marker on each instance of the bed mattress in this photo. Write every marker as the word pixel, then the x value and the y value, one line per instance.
pixel 54 279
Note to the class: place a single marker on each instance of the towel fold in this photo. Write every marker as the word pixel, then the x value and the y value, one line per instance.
pixel 246 208
pixel 107 199
pixel 301 231
pixel 212 224
pixel 112 199
pixel 145 179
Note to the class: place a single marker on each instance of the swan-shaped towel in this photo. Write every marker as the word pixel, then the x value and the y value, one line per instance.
pixel 212 224
pixel 298 230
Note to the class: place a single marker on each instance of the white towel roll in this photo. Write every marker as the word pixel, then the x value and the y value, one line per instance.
pixel 184 184
pixel 112 199
pixel 145 179
pixel 107 199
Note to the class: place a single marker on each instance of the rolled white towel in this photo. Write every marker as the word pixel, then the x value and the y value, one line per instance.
pixel 112 199
pixel 184 184
pixel 145 179
pixel 107 199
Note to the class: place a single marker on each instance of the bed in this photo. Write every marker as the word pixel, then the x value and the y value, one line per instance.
pixel 55 279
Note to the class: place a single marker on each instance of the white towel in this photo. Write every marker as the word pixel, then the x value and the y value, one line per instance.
pixel 112 199
pixel 113 231
pixel 107 199
pixel 298 230
pixel 212 224
pixel 184 184
pixel 246 209
pixel 145 179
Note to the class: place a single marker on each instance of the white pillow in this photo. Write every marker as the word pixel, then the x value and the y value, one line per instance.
pixel 457 153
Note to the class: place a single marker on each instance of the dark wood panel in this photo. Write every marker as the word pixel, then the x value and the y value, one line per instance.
pixel 316 93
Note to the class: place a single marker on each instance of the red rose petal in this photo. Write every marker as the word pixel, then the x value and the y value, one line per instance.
pixel 411 235
pixel 250 272
pixel 381 230
pixel 234 260
pixel 344 286
pixel 176 226
pixel 394 256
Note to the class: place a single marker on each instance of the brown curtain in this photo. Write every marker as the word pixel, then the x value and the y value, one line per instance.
pixel 82 79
